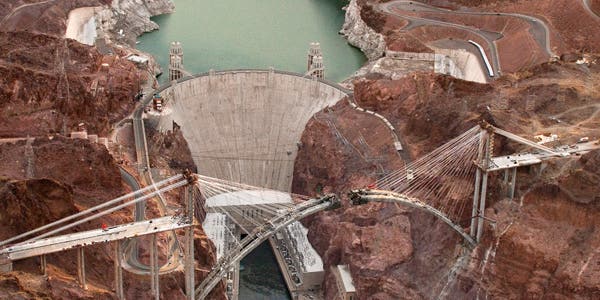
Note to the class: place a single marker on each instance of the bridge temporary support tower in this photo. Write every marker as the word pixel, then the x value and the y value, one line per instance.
pixel 486 163
pixel 485 152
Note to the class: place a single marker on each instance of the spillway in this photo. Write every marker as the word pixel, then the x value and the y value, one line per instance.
pixel 245 125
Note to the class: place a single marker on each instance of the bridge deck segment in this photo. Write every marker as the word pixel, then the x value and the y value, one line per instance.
pixel 86 238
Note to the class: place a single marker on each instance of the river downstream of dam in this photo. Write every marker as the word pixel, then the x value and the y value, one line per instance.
pixel 236 34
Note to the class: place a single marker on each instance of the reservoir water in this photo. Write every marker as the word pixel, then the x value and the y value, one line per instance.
pixel 231 34
pixel 260 277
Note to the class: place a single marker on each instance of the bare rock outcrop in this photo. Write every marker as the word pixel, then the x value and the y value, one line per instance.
pixel 49 84
pixel 28 204
pixel 125 20
pixel 359 34
pixel 542 244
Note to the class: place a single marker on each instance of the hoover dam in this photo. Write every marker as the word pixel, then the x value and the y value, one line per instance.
pixel 245 125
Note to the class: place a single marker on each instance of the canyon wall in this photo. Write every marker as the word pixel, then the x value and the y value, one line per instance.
pixel 131 17
pixel 360 35
pixel 542 244
pixel 49 85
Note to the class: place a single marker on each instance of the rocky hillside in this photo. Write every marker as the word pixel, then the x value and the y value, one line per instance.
pixel 557 207
pixel 568 22
pixel 49 84
pixel 39 16
pixel 29 204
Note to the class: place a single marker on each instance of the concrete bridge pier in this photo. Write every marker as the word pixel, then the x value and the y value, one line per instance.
pixel 119 270
pixel 486 145
pixel 513 184
pixel 43 266
pixel 475 211
pixel 81 268
pixel 5 264
pixel 482 206
pixel 189 264
pixel 536 170
pixel 154 268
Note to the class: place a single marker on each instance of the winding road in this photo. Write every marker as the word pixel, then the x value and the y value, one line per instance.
pixel 12 13
pixel 132 262
pixel 539 30
pixel 131 248
pixel 588 8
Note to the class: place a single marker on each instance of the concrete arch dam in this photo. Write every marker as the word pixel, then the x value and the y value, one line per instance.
pixel 245 125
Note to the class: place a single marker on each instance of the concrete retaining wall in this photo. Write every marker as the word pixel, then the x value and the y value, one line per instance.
pixel 410 55
pixel 245 126
pixel 458 63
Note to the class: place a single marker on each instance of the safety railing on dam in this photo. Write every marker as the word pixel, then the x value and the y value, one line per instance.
pixel 147 98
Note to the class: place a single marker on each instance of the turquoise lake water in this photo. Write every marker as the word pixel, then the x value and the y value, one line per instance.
pixel 234 34
pixel 231 34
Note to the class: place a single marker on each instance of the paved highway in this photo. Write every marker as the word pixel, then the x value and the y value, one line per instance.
pixel 140 207
pixel 132 262
pixel 174 262
pixel 390 8
pixel 539 30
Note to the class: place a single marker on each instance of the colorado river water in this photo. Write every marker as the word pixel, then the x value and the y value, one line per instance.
pixel 232 34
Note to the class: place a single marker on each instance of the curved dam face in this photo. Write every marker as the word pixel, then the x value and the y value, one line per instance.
pixel 245 126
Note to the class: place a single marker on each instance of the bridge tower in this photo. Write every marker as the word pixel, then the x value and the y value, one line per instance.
pixel 175 61
pixel 188 246
pixel 484 156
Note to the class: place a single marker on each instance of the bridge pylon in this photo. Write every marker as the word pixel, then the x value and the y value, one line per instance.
pixel 484 154
pixel 487 163
pixel 189 261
